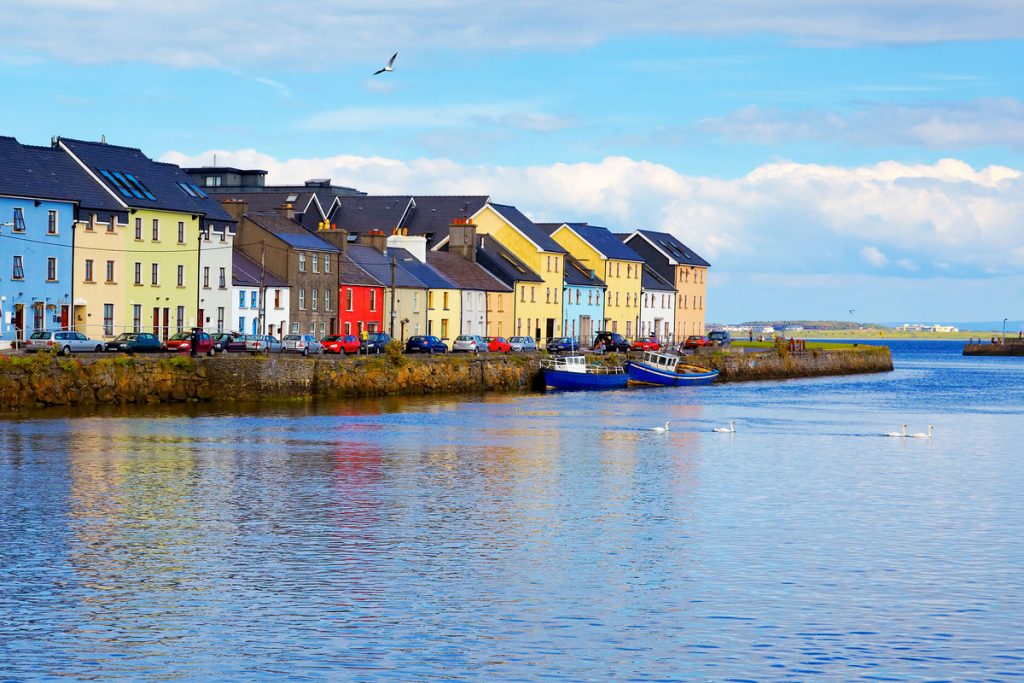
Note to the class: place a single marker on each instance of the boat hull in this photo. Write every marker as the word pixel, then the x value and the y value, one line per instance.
pixel 558 379
pixel 641 373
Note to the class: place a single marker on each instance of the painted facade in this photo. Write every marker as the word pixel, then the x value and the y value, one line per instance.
pixel 215 277
pixel 684 268
pixel 583 299
pixel 657 307
pixel 248 307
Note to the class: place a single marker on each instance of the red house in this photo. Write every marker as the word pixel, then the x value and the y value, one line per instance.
pixel 360 299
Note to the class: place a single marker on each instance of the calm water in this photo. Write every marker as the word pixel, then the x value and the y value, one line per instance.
pixel 529 537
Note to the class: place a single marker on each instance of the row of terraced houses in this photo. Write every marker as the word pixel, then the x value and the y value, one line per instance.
pixel 101 239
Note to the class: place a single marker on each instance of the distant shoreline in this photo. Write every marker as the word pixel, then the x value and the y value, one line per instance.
pixel 870 334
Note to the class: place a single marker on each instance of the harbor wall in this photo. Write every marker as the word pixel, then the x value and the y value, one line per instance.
pixel 1010 348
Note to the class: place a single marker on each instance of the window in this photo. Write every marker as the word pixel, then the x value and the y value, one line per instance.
pixel 348 299
pixel 137 318
pixel 241 299
pixel 138 229
pixel 206 277
pixel 277 298
pixel 416 302
pixel 181 232
pixel 51 269
pixel 51 223
pixel 213 181
pixel 548 292
pixel 241 323
pixel 156 229
pixel 316 297
pixel 138 273
pixel 522 295
pixel 110 271
pixel 302 262
pixel 327 263
pixel 533 294
pixel 18 219
pixel 223 280
pixel 108 320
pixel 316 265
pixel 295 328
pixel 373 299
pixel 302 298
pixel 444 300
pixel 181 276
pixel 19 268
pixel 430 300
pixel 155 274
pixel 327 299
pixel 312 328
pixel 590 297
pixel 254 299
pixel 220 318
pixel 88 270
pixel 179 316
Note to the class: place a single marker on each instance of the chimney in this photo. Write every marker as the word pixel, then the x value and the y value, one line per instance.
pixel 287 210
pixel 333 234
pixel 462 238
pixel 235 207
pixel 376 239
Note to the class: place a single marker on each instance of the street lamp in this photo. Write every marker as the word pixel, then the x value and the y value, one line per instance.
pixel 1004 330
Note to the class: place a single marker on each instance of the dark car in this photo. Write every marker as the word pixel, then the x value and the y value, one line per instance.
pixel 225 342
pixel 375 342
pixel 183 342
pixel 720 338
pixel 135 342
pixel 425 344
pixel 340 344
pixel 562 345
pixel 696 341
pixel 611 341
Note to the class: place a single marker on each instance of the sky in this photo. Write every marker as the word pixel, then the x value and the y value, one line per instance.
pixel 825 156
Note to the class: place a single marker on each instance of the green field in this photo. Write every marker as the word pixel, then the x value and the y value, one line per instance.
pixel 874 333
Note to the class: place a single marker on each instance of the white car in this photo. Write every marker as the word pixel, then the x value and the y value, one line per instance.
pixel 305 344
pixel 522 344
pixel 470 343
pixel 64 342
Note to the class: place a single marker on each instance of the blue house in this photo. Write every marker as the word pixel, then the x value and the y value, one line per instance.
pixel 582 301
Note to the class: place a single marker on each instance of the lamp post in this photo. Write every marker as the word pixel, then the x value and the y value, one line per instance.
pixel 1004 330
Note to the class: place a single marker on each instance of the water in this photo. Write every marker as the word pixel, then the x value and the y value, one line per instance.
pixel 529 537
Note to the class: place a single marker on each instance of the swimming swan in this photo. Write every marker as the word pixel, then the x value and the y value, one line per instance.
pixel 903 433
pixel 661 429
pixel 922 435
pixel 730 428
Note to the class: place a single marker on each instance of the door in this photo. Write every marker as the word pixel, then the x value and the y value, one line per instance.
pixel 167 324
pixel 19 322
pixel 65 317
pixel 156 321
pixel 201 321
pixel 551 328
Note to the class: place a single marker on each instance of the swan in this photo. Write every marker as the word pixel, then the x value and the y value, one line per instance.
pixel 661 429
pixel 922 435
pixel 903 433
pixel 730 428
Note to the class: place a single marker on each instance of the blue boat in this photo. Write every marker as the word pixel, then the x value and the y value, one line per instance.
pixel 667 370
pixel 572 372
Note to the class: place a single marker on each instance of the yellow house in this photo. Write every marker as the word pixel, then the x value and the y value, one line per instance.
pixel 100 286
pixel 619 266
pixel 537 302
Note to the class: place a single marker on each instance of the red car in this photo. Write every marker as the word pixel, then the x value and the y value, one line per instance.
pixel 182 342
pixel 697 341
pixel 649 344
pixel 498 345
pixel 340 343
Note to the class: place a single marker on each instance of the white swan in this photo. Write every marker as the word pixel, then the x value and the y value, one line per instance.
pixel 661 429
pixel 903 433
pixel 730 428
pixel 922 435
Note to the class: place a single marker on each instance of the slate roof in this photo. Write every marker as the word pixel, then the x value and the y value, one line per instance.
pixel 654 282
pixel 246 273
pixel 503 264
pixel 465 274
pixel 270 201
pixel 673 248
pixel 579 275
pixel 423 272
pixel 528 228
pixel 362 214
pixel 289 232
pixel 428 215
pixel 605 241
pixel 378 266
pixel 431 215
pixel 48 173
pixel 159 178
pixel 349 273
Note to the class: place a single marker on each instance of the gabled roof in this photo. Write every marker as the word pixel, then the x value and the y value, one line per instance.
pixel 361 214
pixel 289 232
pixel 674 250
pixel 465 274
pixel 503 264
pixel 378 266
pixel 423 272
pixel 603 240
pixel 432 214
pixel 654 282
pixel 529 229
pixel 303 202
pixel 48 173
pixel 349 273
pixel 138 181
pixel 579 275
pixel 246 273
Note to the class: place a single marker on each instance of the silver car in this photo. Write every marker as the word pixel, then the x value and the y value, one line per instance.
pixel 305 344
pixel 65 342
pixel 261 343
pixel 470 343
pixel 522 344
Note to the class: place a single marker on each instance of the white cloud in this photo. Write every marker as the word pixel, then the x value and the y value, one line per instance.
pixel 321 34
pixel 459 116
pixel 874 256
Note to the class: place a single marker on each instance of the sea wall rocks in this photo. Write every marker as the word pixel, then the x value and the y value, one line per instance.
pixel 736 367
pixel 1012 347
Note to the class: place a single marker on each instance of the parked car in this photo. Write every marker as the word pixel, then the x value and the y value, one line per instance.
pixel 425 344
pixel 375 342
pixel 611 341
pixel 135 342
pixel 522 344
pixel 65 342
pixel 696 341
pixel 562 345
pixel 226 342
pixel 720 337
pixel 261 343
pixel 340 343
pixel 301 343
pixel 498 345
pixel 182 342
pixel 469 343
pixel 648 344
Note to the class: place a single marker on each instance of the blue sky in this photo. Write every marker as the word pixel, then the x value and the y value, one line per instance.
pixel 824 157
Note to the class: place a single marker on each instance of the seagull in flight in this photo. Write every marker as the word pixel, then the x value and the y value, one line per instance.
pixel 390 66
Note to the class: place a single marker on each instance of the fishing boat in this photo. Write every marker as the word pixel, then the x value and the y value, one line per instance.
pixel 667 370
pixel 573 372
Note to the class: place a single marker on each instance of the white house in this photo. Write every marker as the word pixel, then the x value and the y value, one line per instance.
pixel 657 310
pixel 250 313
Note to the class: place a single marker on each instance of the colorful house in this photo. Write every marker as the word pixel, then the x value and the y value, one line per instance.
pixel 360 299
pixel 504 315
pixel 657 307
pixel 615 263
pixel 257 294
pixel 684 268
pixel 583 299
pixel 405 296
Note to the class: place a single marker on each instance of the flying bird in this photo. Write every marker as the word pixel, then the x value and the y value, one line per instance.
pixel 390 66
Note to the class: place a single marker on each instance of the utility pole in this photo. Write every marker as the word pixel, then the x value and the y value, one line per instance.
pixel 391 329
pixel 261 326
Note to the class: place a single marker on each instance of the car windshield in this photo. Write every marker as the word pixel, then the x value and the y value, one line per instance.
pixel 40 335
pixel 291 337
pixel 519 340
pixel 181 335
pixel 463 338
pixel 125 336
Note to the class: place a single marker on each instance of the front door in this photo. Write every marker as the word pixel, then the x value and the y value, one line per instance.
pixel 19 322
pixel 551 328
pixel 201 321
pixel 65 317
pixel 156 322
pixel 167 323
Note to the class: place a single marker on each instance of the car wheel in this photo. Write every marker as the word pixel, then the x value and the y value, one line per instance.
pixel 266 351
pixel 305 352
pixel 98 349
pixel 211 352
pixel 66 351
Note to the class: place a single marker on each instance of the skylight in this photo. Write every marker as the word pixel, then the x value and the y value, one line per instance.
pixel 192 190
pixel 127 184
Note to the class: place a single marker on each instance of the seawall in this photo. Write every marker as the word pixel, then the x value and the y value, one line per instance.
pixel 44 380
pixel 1010 348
